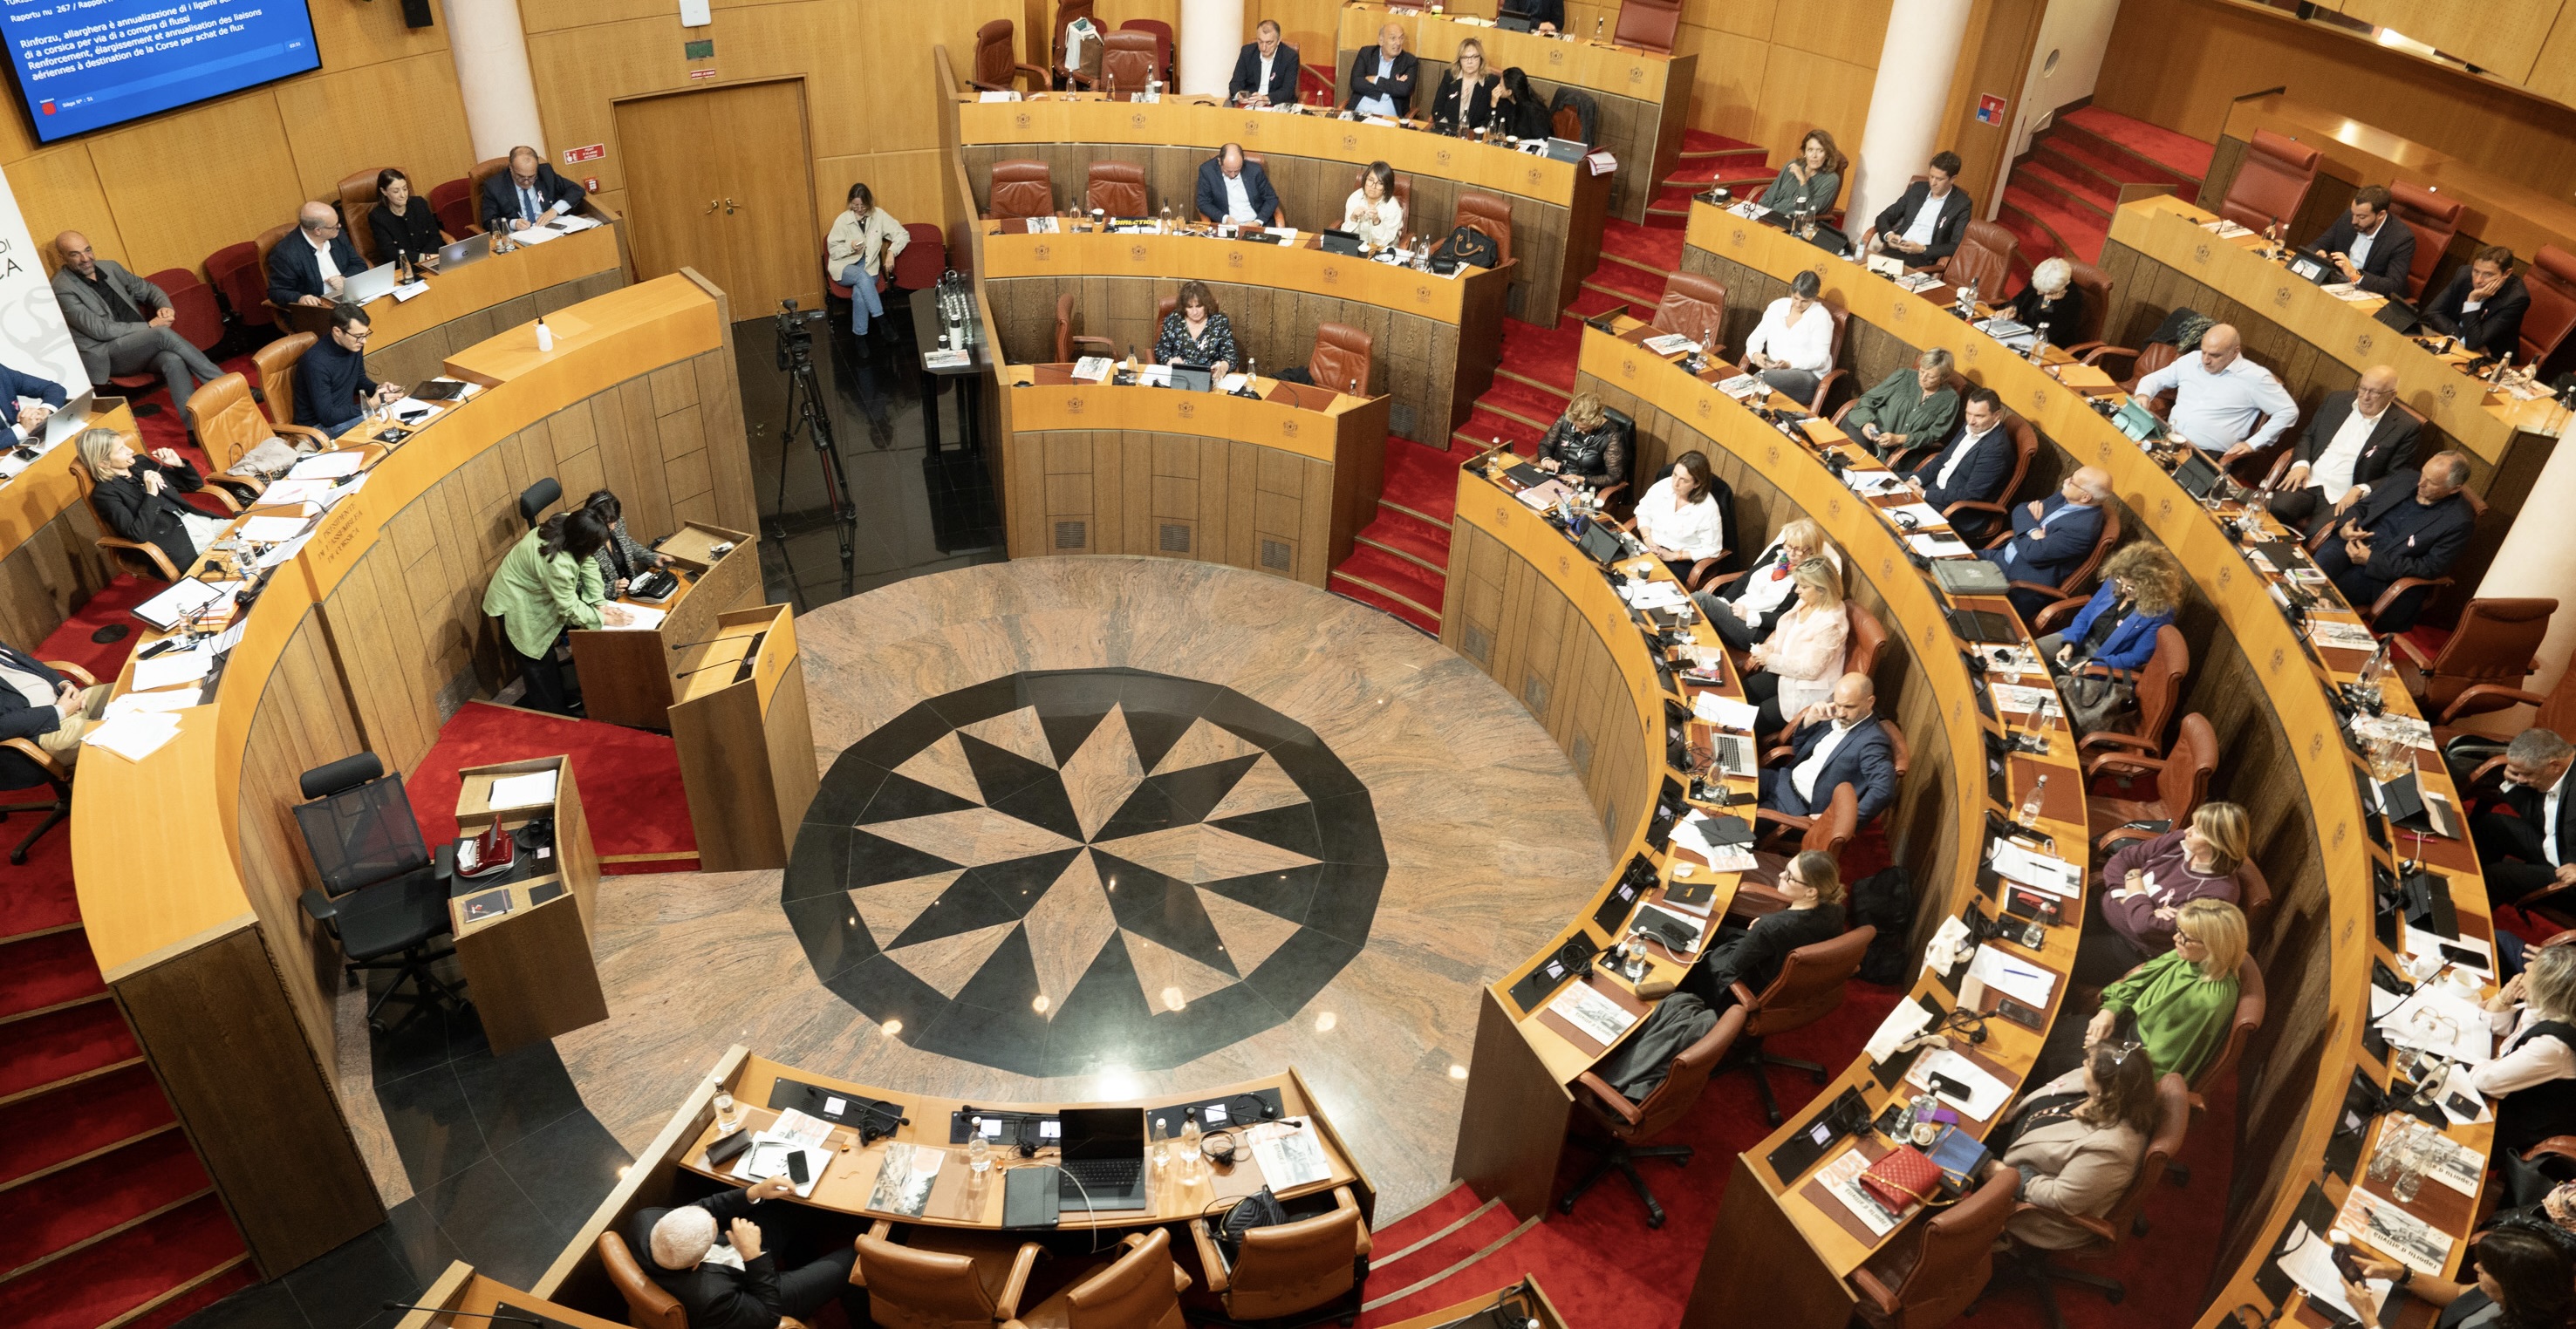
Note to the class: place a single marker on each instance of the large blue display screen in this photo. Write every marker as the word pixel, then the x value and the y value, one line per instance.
pixel 87 64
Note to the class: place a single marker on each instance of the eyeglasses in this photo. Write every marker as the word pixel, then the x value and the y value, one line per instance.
pixel 2120 1051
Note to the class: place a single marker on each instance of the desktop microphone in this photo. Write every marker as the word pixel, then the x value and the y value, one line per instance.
pixel 730 636
pixel 495 1316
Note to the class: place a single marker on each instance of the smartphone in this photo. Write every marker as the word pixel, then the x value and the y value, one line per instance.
pixel 2019 1014
pixel 796 1168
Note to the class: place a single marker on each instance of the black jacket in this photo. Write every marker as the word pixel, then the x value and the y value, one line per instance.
pixel 1247 74
pixel 501 196
pixel 2526 802
pixel 153 518
pixel 1371 77
pixel 2391 444
pixel 295 270
pixel 1538 11
pixel 1755 959
pixel 2392 252
pixel 2436 546
pixel 1946 233
pixel 2492 328
pixel 1480 102
pixel 20 718
pixel 415 232
pixel 328 383
pixel 716 1296
pixel 1978 479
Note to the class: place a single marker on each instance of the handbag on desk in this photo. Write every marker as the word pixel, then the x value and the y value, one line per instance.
pixel 1901 1179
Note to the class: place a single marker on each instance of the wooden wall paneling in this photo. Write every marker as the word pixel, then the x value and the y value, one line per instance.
pixel 427 139
pixel 233 169
pixel 59 190
pixel 727 443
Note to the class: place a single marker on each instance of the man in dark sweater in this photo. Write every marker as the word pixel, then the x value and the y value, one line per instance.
pixel 332 389
pixel 738 1285
pixel 2413 524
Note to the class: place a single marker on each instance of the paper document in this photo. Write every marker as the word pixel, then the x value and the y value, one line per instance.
pixel 408 291
pixel 185 597
pixel 1725 712
pixel 2439 1020
pixel 1868 483
pixel 2022 980
pixel 1289 1154
pixel 767 1157
pixel 172 667
pixel 1985 1094
pixel 134 736
pixel 2030 867
pixel 2309 1261
pixel 329 465
pixel 990 96
pixel 2378 1222
pixel 1093 369
pixel 270 530
pixel 575 224
pixel 1936 545
pixel 1744 386
pixel 639 618
pixel 534 789
pixel 534 235
pixel 144 703
pixel 1601 1019
pixel 283 552
pixel 286 493
pixel 1232 383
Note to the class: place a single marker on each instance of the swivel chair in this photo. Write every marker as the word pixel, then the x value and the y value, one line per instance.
pixel 383 897
pixel 1809 988
pixel 1309 1268
pixel 1629 1122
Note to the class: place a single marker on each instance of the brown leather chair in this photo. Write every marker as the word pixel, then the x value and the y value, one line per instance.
pixel 2271 182
pixel 1162 34
pixel 2182 781
pixel 2482 664
pixel 1757 892
pixel 1127 60
pixel 276 364
pixel 1066 11
pixel 998 67
pixel 2173 1123
pixel 1929 1274
pixel 1694 306
pixel 1809 988
pixel 2551 282
pixel 195 314
pixel 1629 1122
pixel 1116 188
pixel 1832 378
pixel 1341 357
pixel 57 805
pixel 647 1305
pixel 1022 188
pixel 1163 311
pixel 482 173
pixel 2371 613
pixel 1490 213
pixel 1069 344
pixel 1864 637
pixel 1648 25
pixel 2434 219
pixel 1567 123
pixel 357 199
pixel 2096 286
pixel 942 1278
pixel 1403 192
pixel 1984 256
pixel 2143 361
pixel 2158 687
pixel 2254 898
pixel 1141 1290
pixel 229 424
pixel 2082 572
pixel 1303 1265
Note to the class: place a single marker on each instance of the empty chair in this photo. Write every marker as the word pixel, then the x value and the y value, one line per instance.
pixel 1983 259
pixel 2551 282
pixel 1074 77
pixel 1312 1263
pixel 998 67
pixel 453 201
pixel 2182 781
pixel 276 364
pixel 195 313
pixel 1694 305
pixel 1069 344
pixel 358 198
pixel 1935 1268
pixel 49 772
pixel 2481 665
pixel 1648 25
pixel 1809 988
pixel 1341 357
pixel 1115 188
pixel 1572 114
pixel 382 895
pixel 1141 1290
pixel 918 267
pixel 229 425
pixel 1629 1122
pixel 1021 188
pixel 1162 34
pixel 2271 182
pixel 240 280
pixel 1490 213
pixel 536 498
pixel 1127 60
pixel 939 1278
pixel 2434 219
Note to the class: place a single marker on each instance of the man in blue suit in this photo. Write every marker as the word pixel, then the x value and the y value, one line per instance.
pixel 1972 468
pixel 309 266
pixel 1835 743
pixel 2051 536
pixel 1232 189
pixel 27 421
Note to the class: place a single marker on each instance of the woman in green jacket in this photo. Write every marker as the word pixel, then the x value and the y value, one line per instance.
pixel 2185 999
pixel 547 585
pixel 1909 409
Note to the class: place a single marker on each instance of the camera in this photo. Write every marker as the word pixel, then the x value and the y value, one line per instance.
pixel 795 340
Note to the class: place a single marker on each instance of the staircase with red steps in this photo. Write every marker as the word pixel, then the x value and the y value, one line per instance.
pixel 1706 159
pixel 2059 198
pixel 1440 1254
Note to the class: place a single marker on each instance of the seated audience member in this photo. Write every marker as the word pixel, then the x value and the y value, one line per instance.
pixel 1925 224
pixel 2356 438
pixel 2374 248
pixel 2220 397
pixel 1382 76
pixel 2533 1076
pixel 2528 844
pixel 2483 305
pixel 1798 666
pixel 2140 592
pixel 1812 180
pixel 2050 301
pixel 332 390
pixel 138 496
pixel 739 1285
pixel 2076 1143
pixel 2411 525
pixel 32 401
pixel 2051 536
pixel 1793 346
pixel 1838 742
pixel 1754 955
pixel 309 265
pixel 2132 917
pixel 1748 609
pixel 2523 1279
pixel 1466 97
pixel 1196 332
pixel 122 324
pixel 45 708
pixel 1519 111
pixel 862 247
pixel 1232 189
pixel 1910 408
pixel 1546 17
pixel 1973 467
pixel 1585 444
pixel 1679 518
pixel 547 585
pixel 2180 1004
pixel 528 194
pixel 620 558
pixel 1265 71
pixel 1373 212
pixel 403 222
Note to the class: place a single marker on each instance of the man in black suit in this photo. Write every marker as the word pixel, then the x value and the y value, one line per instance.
pixel 1835 742
pixel 739 1286
pixel 1233 189
pixel 2374 249
pixel 1925 225
pixel 528 194
pixel 1545 17
pixel 2357 438
pixel 2483 305
pixel 2412 525
pixel 2534 848
pixel 1265 74
pixel 308 266
pixel 1972 468
pixel 39 704
pixel 1382 79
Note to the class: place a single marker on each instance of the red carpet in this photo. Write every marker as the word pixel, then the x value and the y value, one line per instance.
pixel 109 608
pixel 2058 201
pixel 1650 245
pixel 2156 143
pixel 629 781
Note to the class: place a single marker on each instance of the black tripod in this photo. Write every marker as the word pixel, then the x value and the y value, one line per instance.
pixel 807 415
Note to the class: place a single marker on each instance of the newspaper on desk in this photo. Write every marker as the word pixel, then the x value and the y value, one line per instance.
pixel 1745 387
pixel 1841 1180
pixel 2037 870
pixel 2018 699
pixel 2443 1159
pixel 2407 729
pixel 1289 1153
pixel 1601 1019
pixel 2393 1232
pixel 2341 636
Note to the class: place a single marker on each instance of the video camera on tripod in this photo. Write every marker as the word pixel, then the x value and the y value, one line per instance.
pixel 795 339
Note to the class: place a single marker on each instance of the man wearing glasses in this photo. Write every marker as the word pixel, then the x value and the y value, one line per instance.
pixel 332 390
pixel 308 267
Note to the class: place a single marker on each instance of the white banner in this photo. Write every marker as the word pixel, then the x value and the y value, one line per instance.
pixel 33 337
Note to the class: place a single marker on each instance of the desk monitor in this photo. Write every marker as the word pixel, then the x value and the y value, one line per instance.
pixel 1104 1159
pixel 2399 315
pixel 1601 543
pixel 1345 243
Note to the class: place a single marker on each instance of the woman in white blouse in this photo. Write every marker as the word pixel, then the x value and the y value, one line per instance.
pixel 1374 213
pixel 1793 346
pixel 2533 1077
pixel 1745 610
pixel 1679 518
pixel 1802 661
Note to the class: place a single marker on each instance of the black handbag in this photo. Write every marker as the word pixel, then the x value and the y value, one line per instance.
pixel 1259 1209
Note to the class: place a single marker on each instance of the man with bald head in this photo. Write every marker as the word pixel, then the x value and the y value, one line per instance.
pixel 2356 438
pixel 309 266
pixel 2223 402
pixel 530 193
pixel 2051 536
pixel 2413 524
pixel 1382 76
pixel 1833 743
pixel 122 324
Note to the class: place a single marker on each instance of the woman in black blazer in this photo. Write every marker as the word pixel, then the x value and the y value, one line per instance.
pixel 1813 882
pixel 138 496
pixel 402 220
pixel 1468 82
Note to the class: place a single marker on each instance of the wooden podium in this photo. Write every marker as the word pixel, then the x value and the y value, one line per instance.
pixel 523 936
pixel 626 672
pixel 746 746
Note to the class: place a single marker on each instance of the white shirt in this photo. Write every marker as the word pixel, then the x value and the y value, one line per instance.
pixel 2549 817
pixel 2215 411
pixel 2525 1063
pixel 1958 453
pixel 321 255
pixel 1764 592
pixel 1804 774
pixel 1264 89
pixel 1238 202
pixel 1696 530
pixel 2360 251
pixel 1927 218
pixel 2332 470
pixel 1385 231
pixel 1806 344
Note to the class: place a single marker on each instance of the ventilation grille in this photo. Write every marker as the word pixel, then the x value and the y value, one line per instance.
pixel 1070 535
pixel 1534 692
pixel 1583 754
pixel 1477 643
pixel 1176 538
pixel 1278 556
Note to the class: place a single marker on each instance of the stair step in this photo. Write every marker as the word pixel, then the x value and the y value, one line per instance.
pixel 46 971
pixel 94 1200
pixel 1561 394
pixel 1591 303
pixel 1462 1263
pixel 37 1136
pixel 1656 248
pixel 1348 589
pixel 1633 282
pixel 1409 538
pixel 1420 480
pixel 131 1273
pixel 2084 193
pixel 1546 356
pixel 2181 154
pixel 2077 235
pixel 45 1050
pixel 1397 578
pixel 1514 399
pixel 1430 1224
pixel 176 1305
pixel 39 901
pixel 1484 426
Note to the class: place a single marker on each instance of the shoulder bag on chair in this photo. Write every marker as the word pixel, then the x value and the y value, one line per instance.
pixel 1467 245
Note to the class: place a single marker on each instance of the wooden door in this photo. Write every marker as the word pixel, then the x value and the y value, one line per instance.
pixel 743 216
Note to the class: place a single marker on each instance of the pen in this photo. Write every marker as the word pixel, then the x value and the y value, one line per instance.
pixel 2017 972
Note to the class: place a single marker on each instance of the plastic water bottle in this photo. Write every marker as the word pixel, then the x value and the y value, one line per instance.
pixel 545 335
pixel 1162 1145
pixel 979 1155
pixel 2030 806
pixel 2039 345
pixel 1190 1143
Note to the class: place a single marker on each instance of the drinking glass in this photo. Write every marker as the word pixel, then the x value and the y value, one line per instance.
pixel 724 1109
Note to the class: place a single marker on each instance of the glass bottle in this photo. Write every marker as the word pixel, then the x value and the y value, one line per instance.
pixel 1162 1145
pixel 979 1154
pixel 2039 346
pixel 1190 1143
pixel 2031 805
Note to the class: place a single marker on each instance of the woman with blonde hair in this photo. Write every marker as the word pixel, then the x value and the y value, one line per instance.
pixel 1803 659
pixel 2180 1003
pixel 2141 591
pixel 1466 97
pixel 2147 884
pixel 137 496
pixel 1752 604
pixel 2052 299
pixel 1585 444
pixel 2533 1077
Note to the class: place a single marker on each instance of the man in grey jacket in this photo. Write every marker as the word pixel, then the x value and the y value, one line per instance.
pixel 121 323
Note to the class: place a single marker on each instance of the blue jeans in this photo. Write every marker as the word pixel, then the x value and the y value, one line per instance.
pixel 864 304
pixel 339 427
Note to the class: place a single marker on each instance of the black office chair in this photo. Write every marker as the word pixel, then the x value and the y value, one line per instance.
pixel 537 498
pixel 383 896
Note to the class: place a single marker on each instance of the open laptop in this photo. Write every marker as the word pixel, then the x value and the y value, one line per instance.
pixel 472 249
pixel 1104 1159
pixel 1192 378
pixel 378 280
pixel 71 419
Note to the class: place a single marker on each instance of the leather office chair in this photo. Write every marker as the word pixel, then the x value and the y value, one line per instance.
pixel 276 364
pixel 2254 899
pixel 2082 572
pixel 1304 1265
pixel 1116 188
pixel 196 314
pixel 942 1279
pixel 1021 188
pixel 536 498
pixel 1629 1122
pixel 2143 360
pixel 1929 1275
pixel 483 171
pixel 229 424
pixel 1141 1290
pixel 1863 638
pixel 458 214
pixel 1809 988
pixel 647 1305
pixel 1648 25
pixel 1490 213
pixel 139 557
pixel 1585 122
pixel 2271 182
pixel 2182 782
pixel 2550 279
pixel 1070 345
pixel 2173 1123
pixel 54 777
pixel 1758 892
pixel 2482 664
pixel 1341 358
pixel 2422 588
pixel 2096 286
pixel 1694 306
pixel 2157 685
pixel 997 66
pixel 1127 60
pixel 1984 256
pixel 235 273
pixel 2434 219
pixel 1162 34
pixel 2241 1028
pixel 383 896
pixel 358 198
pixel 1066 12
pixel 1403 193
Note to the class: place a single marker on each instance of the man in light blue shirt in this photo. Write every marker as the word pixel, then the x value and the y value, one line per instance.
pixel 2222 397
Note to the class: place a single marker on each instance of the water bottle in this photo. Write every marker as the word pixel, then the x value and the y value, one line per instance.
pixel 1162 1145
pixel 1190 1142
pixel 2039 346
pixel 979 1155
pixel 545 335
pixel 1154 88
pixel 2029 818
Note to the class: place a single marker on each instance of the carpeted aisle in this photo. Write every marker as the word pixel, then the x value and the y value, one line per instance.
pixel 628 779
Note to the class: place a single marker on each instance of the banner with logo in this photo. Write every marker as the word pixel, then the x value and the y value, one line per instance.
pixel 33 337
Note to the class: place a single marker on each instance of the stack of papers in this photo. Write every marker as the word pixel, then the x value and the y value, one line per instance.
pixel 2309 1262
pixel 329 465
pixel 2019 699
pixel 2040 871
pixel 1939 545
pixel 2024 982
pixel 1289 1154
pixel 1654 594
pixel 136 703
pixel 1725 712
pixel 534 789
pixel 270 530
pixel 1985 1094
pixel 172 667
pixel 2394 1232
pixel 134 735
pixel 1919 282
pixel 1869 483
pixel 1601 1019
pixel 2439 1020
pixel 1704 839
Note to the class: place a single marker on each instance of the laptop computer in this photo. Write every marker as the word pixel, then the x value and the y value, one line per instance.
pixel 471 249
pixel 1565 149
pixel 2400 315
pixel 71 419
pixel 1192 378
pixel 1829 240
pixel 1104 1159
pixel 2135 420
pixel 378 280
pixel 1602 543
pixel 1735 755
pixel 1344 243
pixel 2197 474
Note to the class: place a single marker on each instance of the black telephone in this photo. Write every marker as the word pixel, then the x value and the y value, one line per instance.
pixel 653 585
pixel 796 1167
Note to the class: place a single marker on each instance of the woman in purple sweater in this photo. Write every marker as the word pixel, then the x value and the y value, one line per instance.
pixel 2146 884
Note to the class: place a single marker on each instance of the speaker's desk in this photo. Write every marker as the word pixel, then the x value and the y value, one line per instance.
pixel 523 935
pixel 746 743
pixel 626 673
pixel 1435 339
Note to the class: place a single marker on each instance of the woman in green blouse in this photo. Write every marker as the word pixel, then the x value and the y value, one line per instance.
pixel 2185 999
pixel 547 585
pixel 1908 409
pixel 1812 182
